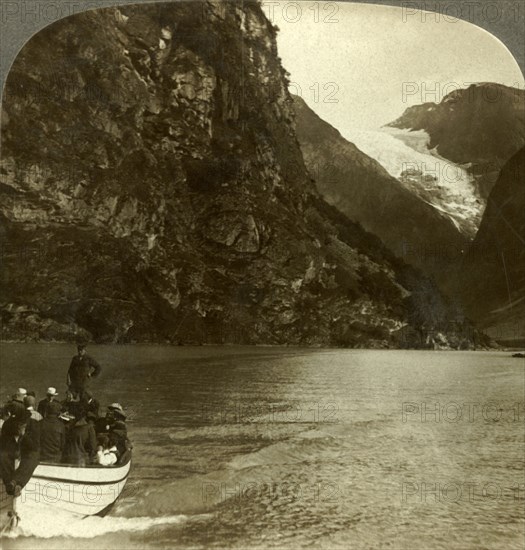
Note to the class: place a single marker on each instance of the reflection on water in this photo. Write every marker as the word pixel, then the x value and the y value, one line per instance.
pixel 273 447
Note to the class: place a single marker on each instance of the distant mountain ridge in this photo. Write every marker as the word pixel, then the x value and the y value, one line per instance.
pixel 481 126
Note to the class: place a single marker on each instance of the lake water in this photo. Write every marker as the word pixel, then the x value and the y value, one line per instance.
pixel 239 447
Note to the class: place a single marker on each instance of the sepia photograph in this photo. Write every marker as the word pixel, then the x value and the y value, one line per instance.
pixel 262 275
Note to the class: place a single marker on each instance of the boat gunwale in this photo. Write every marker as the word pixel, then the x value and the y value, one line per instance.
pixel 80 482
pixel 86 467
pixel 82 475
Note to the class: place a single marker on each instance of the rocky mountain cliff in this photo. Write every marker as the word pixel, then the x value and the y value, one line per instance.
pixel 153 190
pixel 361 188
pixel 481 126
pixel 492 275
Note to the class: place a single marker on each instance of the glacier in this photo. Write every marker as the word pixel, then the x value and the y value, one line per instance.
pixel 406 155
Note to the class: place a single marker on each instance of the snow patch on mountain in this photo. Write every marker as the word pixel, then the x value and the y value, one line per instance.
pixel 445 185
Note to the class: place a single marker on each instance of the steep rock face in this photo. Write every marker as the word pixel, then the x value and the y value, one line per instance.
pixel 481 126
pixel 492 275
pixel 363 190
pixel 153 190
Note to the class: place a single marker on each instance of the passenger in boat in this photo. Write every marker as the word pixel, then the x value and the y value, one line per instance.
pixel 16 405
pixel 92 404
pixel 107 452
pixel 4 415
pixel 82 368
pixel 103 424
pixel 51 395
pixel 52 434
pixel 30 402
pixel 118 411
pixel 119 437
pixel 81 441
pixel 16 445
pixel 69 402
pixel 114 413
pixel 34 421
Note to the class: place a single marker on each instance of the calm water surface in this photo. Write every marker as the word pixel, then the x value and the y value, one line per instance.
pixel 295 448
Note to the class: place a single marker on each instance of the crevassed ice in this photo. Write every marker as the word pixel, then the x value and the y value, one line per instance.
pixel 405 155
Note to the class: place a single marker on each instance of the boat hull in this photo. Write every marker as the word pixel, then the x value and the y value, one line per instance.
pixel 67 489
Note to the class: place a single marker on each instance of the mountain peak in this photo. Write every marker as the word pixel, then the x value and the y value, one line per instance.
pixel 482 125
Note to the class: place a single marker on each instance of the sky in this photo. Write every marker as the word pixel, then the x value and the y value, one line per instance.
pixel 360 66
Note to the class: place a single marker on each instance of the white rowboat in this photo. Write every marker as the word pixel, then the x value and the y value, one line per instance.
pixel 81 492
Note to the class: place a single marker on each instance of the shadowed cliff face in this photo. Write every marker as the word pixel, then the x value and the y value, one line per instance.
pixel 492 276
pixel 482 126
pixel 153 190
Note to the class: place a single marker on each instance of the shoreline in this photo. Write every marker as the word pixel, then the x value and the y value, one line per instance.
pixel 262 346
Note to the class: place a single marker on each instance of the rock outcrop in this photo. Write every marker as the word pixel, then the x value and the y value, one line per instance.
pixel 153 190
pixel 491 278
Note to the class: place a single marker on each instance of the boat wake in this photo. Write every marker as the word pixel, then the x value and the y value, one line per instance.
pixel 50 525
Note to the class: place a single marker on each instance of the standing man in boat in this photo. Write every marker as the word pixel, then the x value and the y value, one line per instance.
pixel 82 368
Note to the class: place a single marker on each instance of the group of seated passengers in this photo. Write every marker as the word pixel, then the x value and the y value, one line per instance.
pixel 70 431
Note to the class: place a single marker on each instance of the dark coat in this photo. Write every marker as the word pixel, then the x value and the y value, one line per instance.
pixel 119 438
pixel 42 406
pixel 33 430
pixel 15 407
pixel 104 425
pixel 81 369
pixel 81 444
pixel 52 439
pixel 25 449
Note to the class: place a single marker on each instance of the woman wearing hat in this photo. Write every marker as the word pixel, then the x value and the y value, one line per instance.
pixel 51 394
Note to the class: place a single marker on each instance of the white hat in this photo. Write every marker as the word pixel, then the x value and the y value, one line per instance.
pixel 21 391
pixel 52 391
